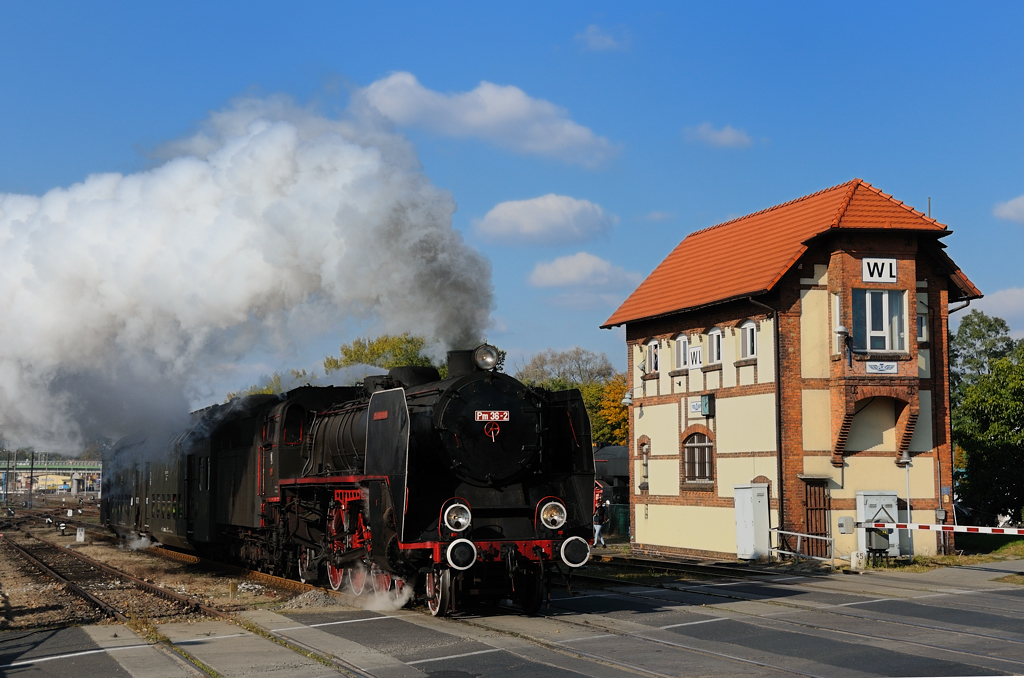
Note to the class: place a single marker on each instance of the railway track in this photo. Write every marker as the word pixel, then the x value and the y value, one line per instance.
pixel 114 593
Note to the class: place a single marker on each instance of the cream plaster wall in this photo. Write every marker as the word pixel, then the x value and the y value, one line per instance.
pixel 745 424
pixel 874 427
pixel 922 440
pixel 766 351
pixel 814 334
pixel 924 363
pixel 692 527
pixel 661 424
pixel 638 357
pixel 731 471
pixel 730 354
pixel 664 477
pixel 746 375
pixel 819 276
pixel 714 379
pixel 817 419
pixel 863 474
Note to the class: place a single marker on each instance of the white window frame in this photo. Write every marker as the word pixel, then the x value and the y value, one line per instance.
pixel 748 340
pixel 865 333
pixel 715 347
pixel 652 357
pixel 837 341
pixel 922 320
pixel 682 348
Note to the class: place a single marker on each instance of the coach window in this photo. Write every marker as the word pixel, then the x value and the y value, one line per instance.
pixel 879 320
pixel 714 346
pixel 293 425
pixel 748 340
pixel 682 346
pixel 652 357
pixel 697 461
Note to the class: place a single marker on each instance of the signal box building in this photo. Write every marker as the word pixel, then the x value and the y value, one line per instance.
pixel 794 360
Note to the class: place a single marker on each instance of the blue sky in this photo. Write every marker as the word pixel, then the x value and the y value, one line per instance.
pixel 640 124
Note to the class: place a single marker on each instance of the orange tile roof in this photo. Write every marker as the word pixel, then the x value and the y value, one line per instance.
pixel 749 255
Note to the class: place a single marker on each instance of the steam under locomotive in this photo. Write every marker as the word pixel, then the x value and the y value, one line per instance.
pixel 473 487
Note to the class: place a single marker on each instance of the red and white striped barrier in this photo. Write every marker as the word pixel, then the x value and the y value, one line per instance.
pixel 944 528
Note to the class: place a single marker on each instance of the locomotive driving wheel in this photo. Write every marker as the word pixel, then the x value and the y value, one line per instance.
pixel 356 579
pixel 335 575
pixel 381 580
pixel 308 573
pixel 439 591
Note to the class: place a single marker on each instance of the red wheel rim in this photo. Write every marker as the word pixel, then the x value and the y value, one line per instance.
pixel 357 580
pixel 335 575
pixel 382 582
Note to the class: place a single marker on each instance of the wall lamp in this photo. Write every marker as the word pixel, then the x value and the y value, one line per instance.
pixel 844 336
pixel 627 399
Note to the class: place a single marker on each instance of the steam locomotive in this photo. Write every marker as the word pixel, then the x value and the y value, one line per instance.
pixel 474 487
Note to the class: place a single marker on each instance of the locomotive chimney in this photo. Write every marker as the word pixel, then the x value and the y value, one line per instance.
pixel 460 363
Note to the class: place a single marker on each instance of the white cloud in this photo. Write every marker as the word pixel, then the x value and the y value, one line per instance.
pixel 549 219
pixel 658 216
pixel 1007 304
pixel 582 270
pixel 595 39
pixel 1012 210
pixel 501 114
pixel 727 137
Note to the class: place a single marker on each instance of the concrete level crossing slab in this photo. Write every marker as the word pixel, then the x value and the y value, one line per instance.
pixel 233 652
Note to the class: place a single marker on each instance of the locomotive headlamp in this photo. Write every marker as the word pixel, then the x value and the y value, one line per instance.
pixel 485 357
pixel 552 515
pixel 457 517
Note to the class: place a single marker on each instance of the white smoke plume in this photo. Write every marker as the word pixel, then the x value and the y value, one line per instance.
pixel 269 226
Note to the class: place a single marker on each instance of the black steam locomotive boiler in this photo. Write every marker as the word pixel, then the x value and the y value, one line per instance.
pixel 474 487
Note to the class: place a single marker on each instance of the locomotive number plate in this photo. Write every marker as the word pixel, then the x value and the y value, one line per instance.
pixel 492 415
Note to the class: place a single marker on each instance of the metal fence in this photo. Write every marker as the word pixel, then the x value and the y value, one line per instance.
pixel 782 544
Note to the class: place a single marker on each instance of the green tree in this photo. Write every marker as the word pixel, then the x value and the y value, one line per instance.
pixel 385 351
pixel 977 343
pixel 593 375
pixel 988 424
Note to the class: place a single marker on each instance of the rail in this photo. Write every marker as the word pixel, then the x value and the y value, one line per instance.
pixel 800 537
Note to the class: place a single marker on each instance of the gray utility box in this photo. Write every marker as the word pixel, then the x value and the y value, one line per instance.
pixel 878 507
pixel 752 525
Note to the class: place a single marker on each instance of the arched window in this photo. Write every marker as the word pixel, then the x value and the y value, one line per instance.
pixel 697 461
pixel 714 346
pixel 682 346
pixel 748 340
pixel 652 357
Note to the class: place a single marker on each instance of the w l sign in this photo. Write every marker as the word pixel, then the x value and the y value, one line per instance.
pixel 879 270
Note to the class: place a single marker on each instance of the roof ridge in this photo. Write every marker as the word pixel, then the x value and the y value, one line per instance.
pixel 772 208
pixel 900 203
pixel 846 202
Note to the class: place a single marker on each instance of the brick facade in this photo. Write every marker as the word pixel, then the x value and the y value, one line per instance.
pixel 791 372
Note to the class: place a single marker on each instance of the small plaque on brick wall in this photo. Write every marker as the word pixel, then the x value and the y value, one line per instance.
pixel 881 368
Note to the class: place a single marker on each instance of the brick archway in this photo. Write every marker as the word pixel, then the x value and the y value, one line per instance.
pixel 903 392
